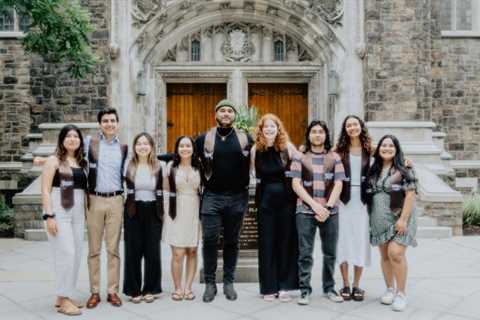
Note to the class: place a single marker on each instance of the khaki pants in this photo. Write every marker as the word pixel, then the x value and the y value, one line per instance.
pixel 104 214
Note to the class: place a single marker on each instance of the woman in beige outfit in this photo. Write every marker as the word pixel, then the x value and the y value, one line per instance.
pixel 182 223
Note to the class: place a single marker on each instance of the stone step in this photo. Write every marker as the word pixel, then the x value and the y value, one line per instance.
pixel 434 232
pixel 41 235
pixel 424 221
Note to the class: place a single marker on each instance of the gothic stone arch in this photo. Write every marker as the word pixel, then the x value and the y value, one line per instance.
pixel 235 35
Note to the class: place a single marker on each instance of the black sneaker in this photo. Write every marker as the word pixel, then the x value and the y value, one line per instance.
pixel 229 291
pixel 210 292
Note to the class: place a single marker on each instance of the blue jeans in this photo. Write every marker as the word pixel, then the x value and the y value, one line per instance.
pixel 307 227
pixel 222 210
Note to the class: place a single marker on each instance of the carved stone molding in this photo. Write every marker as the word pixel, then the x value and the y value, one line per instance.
pixel 144 10
pixel 239 42
pixel 249 6
pixel 272 11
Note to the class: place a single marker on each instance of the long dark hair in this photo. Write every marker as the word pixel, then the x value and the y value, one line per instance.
pixel 323 124
pixel 398 160
pixel 176 159
pixel 343 144
pixel 61 152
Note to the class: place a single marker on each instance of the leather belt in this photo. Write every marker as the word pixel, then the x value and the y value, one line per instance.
pixel 107 194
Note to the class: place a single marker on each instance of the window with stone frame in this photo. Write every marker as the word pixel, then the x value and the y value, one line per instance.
pixel 10 21
pixel 195 50
pixel 460 15
pixel 279 50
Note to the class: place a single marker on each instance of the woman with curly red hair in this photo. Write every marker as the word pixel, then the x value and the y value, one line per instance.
pixel 355 149
pixel 277 237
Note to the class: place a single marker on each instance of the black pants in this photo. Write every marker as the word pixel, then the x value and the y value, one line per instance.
pixel 142 235
pixel 307 226
pixel 277 241
pixel 222 210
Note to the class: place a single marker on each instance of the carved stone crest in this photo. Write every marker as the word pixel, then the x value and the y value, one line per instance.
pixel 329 10
pixel 237 46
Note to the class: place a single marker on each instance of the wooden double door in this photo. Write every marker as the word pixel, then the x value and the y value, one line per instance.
pixel 190 107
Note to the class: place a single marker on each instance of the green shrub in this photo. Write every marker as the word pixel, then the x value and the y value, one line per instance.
pixel 246 119
pixel 7 221
pixel 471 210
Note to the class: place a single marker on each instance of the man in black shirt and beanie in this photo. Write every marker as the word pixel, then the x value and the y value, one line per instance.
pixel 225 158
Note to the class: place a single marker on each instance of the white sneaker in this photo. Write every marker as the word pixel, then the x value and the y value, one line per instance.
pixel 269 297
pixel 388 296
pixel 304 299
pixel 284 296
pixel 333 296
pixel 399 302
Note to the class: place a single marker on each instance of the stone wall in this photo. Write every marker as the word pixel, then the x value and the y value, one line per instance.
pixel 397 68
pixel 58 97
pixel 456 91
pixel 33 91
pixel 15 99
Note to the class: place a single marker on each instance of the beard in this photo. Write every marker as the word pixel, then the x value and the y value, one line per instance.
pixel 220 124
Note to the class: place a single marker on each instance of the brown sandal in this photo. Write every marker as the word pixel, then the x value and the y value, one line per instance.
pixel 358 294
pixel 177 296
pixel 346 293
pixel 189 295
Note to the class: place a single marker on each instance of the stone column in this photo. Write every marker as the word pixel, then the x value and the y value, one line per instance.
pixel 350 71
pixel 267 45
pixel 257 44
pixel 292 50
pixel 124 70
pixel 237 87
pixel 206 45
pixel 182 51
pixel 218 39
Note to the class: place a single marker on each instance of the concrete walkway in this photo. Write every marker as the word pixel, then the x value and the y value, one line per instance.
pixel 444 283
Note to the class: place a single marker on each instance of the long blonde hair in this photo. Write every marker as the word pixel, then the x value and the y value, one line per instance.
pixel 152 157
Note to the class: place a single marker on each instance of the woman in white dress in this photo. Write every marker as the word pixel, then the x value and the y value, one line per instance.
pixel 182 223
pixel 355 149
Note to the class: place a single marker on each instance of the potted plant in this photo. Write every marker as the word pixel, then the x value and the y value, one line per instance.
pixel 471 214
pixel 247 119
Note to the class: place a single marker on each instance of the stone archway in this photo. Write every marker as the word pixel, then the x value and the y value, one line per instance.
pixel 152 30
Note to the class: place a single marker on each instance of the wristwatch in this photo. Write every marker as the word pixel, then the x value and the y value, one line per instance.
pixel 46 216
pixel 329 208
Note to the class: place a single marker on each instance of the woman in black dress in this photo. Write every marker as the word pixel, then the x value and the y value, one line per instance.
pixel 275 200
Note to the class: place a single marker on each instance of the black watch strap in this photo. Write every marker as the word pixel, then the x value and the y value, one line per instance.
pixel 46 216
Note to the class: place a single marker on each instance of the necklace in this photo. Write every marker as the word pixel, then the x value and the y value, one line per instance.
pixel 225 136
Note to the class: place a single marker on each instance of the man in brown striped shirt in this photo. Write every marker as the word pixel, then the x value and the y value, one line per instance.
pixel 318 176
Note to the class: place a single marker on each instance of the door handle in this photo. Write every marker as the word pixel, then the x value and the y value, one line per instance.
pixel 169 124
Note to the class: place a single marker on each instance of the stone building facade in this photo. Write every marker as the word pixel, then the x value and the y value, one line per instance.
pixel 405 64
